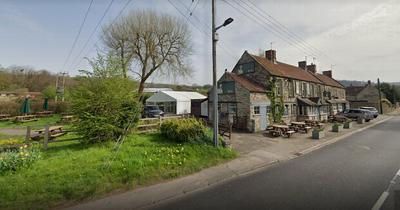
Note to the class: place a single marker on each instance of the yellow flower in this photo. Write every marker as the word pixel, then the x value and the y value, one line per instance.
pixel 21 153
pixel 122 164
pixel 20 148
pixel 22 158
pixel 145 152
pixel 124 168
pixel 1 158
pixel 150 159
pixel 26 154
pixel 180 163
pixel 25 146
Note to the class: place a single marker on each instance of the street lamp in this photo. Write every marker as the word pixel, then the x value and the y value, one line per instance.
pixel 214 56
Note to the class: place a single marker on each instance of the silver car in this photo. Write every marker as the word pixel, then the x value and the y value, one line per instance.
pixel 354 113
pixel 371 109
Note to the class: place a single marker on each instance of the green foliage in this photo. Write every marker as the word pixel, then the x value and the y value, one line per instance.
pixel 348 121
pixel 361 117
pixel 184 130
pixel 49 92
pixel 69 172
pixel 318 129
pixel 104 101
pixel 11 159
pixel 336 123
pixel 277 104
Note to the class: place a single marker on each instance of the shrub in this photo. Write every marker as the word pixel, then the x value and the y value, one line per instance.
pixel 184 130
pixel 336 123
pixel 318 129
pixel 12 159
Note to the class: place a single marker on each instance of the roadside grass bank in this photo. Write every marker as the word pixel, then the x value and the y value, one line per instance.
pixel 70 172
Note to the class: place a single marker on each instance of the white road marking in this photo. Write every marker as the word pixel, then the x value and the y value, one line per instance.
pixel 385 194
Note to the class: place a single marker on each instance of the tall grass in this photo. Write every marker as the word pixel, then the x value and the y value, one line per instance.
pixel 70 172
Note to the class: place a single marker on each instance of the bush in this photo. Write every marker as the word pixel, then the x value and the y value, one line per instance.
pixel 12 159
pixel 184 130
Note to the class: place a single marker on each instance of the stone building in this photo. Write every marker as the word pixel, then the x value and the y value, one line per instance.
pixel 367 95
pixel 242 93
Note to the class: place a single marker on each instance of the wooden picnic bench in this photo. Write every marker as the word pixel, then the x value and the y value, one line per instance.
pixel 54 132
pixel 4 117
pixel 25 118
pixel 68 118
pixel 45 113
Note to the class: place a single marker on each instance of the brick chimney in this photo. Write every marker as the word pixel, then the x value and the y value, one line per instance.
pixel 271 55
pixel 303 65
pixel 327 73
pixel 312 68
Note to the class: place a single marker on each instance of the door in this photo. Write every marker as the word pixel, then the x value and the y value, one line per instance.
pixel 263 117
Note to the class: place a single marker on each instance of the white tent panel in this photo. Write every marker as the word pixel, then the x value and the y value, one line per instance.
pixel 182 99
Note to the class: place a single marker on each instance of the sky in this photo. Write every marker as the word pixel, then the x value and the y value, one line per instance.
pixel 357 39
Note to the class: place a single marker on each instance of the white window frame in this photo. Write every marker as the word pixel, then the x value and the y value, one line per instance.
pixel 298 88
pixel 256 110
pixel 308 88
pixel 268 109
pixel 232 108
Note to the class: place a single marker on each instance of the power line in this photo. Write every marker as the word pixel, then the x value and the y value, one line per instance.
pixel 87 12
pixel 91 35
pixel 286 39
pixel 300 39
pixel 103 33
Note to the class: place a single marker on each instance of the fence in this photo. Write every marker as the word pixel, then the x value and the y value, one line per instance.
pixel 46 136
pixel 223 130
pixel 153 124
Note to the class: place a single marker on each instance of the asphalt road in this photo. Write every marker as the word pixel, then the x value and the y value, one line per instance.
pixel 349 174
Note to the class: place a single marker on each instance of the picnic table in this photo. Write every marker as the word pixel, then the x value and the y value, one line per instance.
pixel 312 123
pixel 45 113
pixel 300 126
pixel 4 117
pixel 54 132
pixel 25 118
pixel 281 130
pixel 68 118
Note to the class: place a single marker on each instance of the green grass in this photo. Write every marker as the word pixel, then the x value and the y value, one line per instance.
pixel 70 172
pixel 41 121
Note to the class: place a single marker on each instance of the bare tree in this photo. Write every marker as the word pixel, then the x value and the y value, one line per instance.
pixel 152 42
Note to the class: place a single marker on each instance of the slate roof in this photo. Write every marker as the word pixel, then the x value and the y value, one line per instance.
pixel 285 70
pixel 354 90
pixel 247 83
pixel 327 80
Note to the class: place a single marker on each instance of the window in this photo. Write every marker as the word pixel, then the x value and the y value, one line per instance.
pixel 308 88
pixel 340 107
pixel 291 91
pixel 268 109
pixel 301 111
pixel 279 87
pixel 232 108
pixel 286 110
pixel 298 91
pixel 312 90
pixel 319 91
pixel 293 109
pixel 256 110
pixel 334 107
pixel 347 106
pixel 304 89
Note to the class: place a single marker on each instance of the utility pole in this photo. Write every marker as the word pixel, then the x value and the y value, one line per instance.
pixel 56 86
pixel 394 96
pixel 214 55
pixel 63 85
pixel 380 100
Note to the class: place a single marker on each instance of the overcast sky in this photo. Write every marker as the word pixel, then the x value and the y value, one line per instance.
pixel 358 39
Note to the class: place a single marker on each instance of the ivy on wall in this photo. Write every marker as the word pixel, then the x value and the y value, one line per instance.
pixel 277 104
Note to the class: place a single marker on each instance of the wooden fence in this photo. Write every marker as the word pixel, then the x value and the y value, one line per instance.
pixel 46 141
pixel 223 130
pixel 153 124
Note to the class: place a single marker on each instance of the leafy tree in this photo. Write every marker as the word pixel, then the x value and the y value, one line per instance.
pixel 153 42
pixel 104 101
pixel 388 90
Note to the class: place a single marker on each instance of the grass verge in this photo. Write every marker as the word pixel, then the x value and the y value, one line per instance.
pixel 70 172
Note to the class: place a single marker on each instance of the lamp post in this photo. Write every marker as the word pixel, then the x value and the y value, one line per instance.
pixel 214 56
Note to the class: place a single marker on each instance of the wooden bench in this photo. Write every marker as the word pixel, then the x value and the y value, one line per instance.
pixel 290 133
pixel 275 133
pixel 51 137
pixel 68 118
pixel 54 132
pixel 45 114
pixel 26 118
pixel 306 129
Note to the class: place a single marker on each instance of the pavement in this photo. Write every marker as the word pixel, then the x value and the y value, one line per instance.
pixel 256 150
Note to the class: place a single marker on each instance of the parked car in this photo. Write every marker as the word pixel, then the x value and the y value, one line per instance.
pixel 371 109
pixel 354 113
pixel 151 111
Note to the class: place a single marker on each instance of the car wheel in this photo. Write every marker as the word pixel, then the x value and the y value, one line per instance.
pixel 367 120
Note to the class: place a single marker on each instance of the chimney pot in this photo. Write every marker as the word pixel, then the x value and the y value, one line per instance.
pixel 271 55
pixel 327 73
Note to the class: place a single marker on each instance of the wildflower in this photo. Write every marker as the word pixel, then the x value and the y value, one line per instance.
pixel 124 168
pixel 21 153
pixel 26 154
pixel 145 152
pixel 25 146
pixel 182 149
pixel 180 163
pixel 1 158
pixel 122 164
pixel 22 158
pixel 20 148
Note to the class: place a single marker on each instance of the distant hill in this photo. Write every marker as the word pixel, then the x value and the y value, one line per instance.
pixel 347 83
